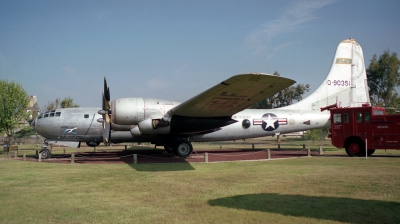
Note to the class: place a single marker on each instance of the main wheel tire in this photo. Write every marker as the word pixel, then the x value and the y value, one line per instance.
pixel 169 148
pixel 92 144
pixel 183 149
pixel 45 154
pixel 355 148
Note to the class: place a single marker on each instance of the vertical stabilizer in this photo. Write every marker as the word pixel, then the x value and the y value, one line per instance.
pixel 345 84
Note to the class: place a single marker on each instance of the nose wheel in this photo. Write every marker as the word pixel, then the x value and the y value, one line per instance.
pixel 183 148
pixel 45 154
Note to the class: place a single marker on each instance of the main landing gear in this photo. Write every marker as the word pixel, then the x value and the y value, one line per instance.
pixel 181 148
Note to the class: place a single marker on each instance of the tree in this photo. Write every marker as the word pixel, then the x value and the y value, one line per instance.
pixel 284 97
pixel 51 105
pixel 67 102
pixel 13 104
pixel 383 78
pixel 315 134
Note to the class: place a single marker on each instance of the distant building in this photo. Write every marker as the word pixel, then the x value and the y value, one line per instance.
pixel 33 105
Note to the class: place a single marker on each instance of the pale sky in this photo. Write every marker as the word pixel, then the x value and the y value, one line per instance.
pixel 177 49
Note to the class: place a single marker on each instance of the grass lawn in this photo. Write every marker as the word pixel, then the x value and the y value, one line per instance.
pixel 302 190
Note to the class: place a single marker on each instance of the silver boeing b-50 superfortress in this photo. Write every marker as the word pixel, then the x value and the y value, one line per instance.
pixel 216 114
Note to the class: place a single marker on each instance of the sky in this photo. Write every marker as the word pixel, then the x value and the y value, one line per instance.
pixel 177 49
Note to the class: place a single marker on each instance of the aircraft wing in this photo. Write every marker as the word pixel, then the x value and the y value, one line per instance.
pixel 232 95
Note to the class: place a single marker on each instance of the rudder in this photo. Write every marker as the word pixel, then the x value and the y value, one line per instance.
pixel 346 82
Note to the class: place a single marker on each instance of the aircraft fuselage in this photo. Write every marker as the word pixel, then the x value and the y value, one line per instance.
pixel 80 124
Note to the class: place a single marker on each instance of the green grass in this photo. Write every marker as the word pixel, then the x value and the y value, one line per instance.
pixel 302 190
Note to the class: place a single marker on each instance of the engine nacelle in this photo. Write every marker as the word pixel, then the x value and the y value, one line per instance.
pixel 154 126
pixel 131 111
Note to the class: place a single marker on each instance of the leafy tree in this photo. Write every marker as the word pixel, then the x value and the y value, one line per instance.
pixel 52 105
pixel 315 134
pixel 284 97
pixel 13 104
pixel 25 132
pixel 383 78
pixel 68 103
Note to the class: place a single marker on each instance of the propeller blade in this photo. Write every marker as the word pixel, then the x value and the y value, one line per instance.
pixel 107 132
pixel 106 113
pixel 106 96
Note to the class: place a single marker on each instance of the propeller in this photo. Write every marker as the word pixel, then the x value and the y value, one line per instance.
pixel 106 113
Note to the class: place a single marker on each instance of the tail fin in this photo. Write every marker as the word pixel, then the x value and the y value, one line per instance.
pixel 345 84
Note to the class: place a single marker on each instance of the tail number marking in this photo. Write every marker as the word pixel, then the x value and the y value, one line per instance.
pixel 338 83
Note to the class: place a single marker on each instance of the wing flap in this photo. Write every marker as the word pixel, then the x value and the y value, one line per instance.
pixel 232 95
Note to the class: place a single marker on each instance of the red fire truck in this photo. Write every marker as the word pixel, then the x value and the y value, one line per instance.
pixel 363 129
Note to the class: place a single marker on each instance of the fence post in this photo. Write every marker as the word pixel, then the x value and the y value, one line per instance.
pixel 304 146
pixel 279 146
pixel 15 155
pixel 320 150
pixel 126 147
pixel 9 154
pixel 72 158
pixel 24 157
pixel 220 146
pixel 134 158
pixel 252 146
pixel 64 151
pixel 40 157
pixel 206 157
pixel 308 152
pixel 94 150
pixel 269 154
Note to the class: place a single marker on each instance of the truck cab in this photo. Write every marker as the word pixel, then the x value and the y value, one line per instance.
pixel 363 129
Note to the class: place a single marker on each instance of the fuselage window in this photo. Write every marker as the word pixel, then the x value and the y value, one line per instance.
pixel 86 116
pixel 40 117
pixel 46 115
pixel 246 123
pixel 58 114
pixel 51 114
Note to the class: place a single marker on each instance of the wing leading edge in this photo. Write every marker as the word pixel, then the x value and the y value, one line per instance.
pixel 232 95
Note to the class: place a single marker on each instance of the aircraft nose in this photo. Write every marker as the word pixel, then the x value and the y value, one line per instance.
pixel 33 124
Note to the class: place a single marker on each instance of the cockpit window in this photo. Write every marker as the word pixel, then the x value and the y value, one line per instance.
pixel 58 114
pixel 40 117
pixel 86 116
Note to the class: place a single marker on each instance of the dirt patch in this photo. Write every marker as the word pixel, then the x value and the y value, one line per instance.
pixel 160 156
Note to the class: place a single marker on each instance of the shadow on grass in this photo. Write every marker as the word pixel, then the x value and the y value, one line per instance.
pixel 162 167
pixel 326 208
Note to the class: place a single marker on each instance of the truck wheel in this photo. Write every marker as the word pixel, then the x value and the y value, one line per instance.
pixel 370 151
pixel 355 148
pixel 45 153
pixel 183 149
